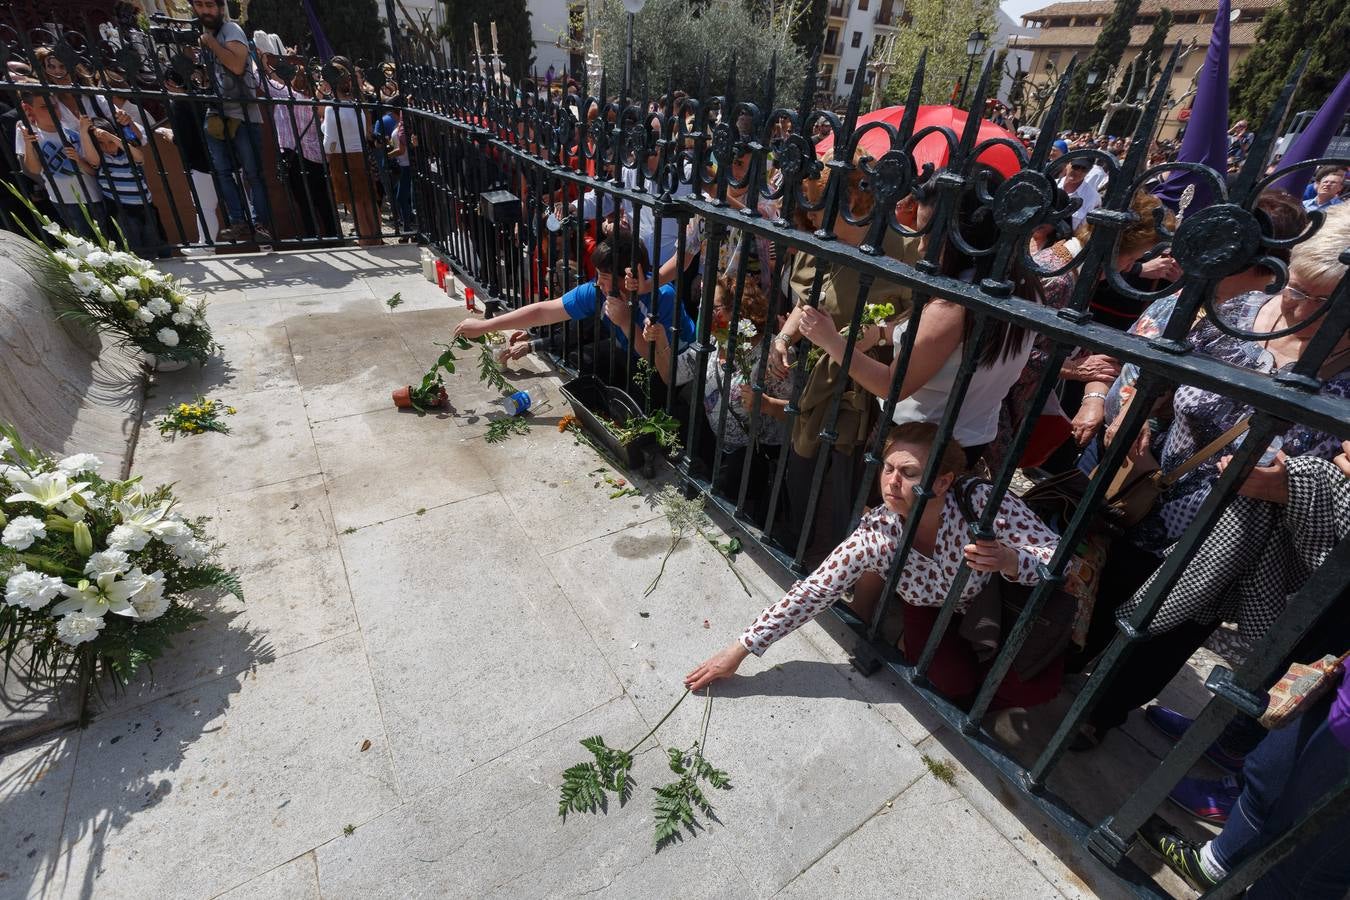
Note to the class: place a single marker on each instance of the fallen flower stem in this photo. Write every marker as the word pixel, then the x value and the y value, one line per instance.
pixel 675 542
pixel 668 714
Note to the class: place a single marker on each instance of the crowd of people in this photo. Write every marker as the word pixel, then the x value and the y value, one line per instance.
pixel 239 116
pixel 781 327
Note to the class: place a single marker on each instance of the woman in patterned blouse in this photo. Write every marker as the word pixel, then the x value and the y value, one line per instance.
pixel 941 544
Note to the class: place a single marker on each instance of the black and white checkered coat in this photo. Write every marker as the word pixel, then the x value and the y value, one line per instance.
pixel 1258 554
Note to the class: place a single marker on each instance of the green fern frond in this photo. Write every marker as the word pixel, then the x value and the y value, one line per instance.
pixel 582 790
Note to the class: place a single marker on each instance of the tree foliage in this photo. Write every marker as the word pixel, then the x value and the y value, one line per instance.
pixel 515 35
pixel 808 32
pixel 1146 66
pixel 1105 56
pixel 673 38
pixel 941 27
pixel 1285 33
pixel 353 27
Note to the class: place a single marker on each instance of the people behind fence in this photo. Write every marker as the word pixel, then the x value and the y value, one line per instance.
pixel 121 178
pixel 50 153
pixel 941 547
pixel 234 132
pixel 344 140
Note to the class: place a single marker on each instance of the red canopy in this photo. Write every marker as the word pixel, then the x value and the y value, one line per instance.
pixel 933 148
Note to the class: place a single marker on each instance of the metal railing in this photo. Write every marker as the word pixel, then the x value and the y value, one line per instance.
pixel 660 167
pixel 308 158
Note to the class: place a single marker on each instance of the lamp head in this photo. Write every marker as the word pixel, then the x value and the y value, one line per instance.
pixel 975 43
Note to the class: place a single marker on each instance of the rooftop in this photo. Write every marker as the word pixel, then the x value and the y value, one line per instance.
pixel 1242 34
pixel 1147 7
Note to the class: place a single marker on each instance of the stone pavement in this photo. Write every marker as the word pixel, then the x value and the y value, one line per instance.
pixel 432 623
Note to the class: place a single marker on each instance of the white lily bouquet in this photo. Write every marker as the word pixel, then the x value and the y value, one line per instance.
pixel 96 572
pixel 120 293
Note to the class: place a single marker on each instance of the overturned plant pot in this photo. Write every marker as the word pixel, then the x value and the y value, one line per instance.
pixel 403 399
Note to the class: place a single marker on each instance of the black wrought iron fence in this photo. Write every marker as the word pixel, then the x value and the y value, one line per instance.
pixel 521 186
pixel 156 130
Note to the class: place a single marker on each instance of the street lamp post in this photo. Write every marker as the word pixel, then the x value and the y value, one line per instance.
pixel 1092 77
pixel 974 48
pixel 633 7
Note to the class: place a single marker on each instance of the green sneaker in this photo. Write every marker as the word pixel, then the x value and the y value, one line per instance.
pixel 1183 857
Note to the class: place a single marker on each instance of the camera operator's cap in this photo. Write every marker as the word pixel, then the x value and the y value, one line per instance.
pixel 1062 146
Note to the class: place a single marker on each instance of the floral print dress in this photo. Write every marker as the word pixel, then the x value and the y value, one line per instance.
pixel 925 579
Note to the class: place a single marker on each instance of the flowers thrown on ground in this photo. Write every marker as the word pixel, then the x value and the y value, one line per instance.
pixel 197 417
pixel 119 293
pixel 99 574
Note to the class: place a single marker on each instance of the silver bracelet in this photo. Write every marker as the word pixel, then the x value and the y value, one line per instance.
pixel 1095 395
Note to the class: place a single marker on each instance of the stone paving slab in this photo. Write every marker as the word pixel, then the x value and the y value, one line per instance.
pixel 473 611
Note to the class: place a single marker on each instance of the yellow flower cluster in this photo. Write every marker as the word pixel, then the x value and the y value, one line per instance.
pixel 201 415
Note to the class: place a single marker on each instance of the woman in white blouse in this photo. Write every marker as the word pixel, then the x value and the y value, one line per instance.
pixel 941 541
pixel 344 128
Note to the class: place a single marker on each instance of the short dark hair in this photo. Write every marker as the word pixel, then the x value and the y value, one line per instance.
pixel 104 125
pixel 616 253
pixel 1324 171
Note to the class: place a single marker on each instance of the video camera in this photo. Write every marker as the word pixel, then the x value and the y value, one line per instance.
pixel 168 30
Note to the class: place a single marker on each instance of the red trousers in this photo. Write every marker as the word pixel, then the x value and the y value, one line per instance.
pixel 957 673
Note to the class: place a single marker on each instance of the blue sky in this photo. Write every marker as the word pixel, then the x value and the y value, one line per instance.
pixel 1016 8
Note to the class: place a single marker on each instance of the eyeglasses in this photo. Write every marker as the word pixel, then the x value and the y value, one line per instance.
pixel 1303 296
pixel 1078 167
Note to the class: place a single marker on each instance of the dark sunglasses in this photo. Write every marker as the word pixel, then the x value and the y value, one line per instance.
pixel 1078 167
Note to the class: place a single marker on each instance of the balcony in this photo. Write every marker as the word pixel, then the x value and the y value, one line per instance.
pixel 830 48
pixel 839 10
pixel 887 17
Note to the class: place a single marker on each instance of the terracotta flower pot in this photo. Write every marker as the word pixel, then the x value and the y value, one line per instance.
pixel 403 397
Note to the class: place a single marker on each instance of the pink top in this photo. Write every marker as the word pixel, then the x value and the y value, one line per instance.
pixel 925 579
pixel 302 114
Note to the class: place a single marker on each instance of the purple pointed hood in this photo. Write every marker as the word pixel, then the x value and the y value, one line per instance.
pixel 1315 139
pixel 1206 139
pixel 321 45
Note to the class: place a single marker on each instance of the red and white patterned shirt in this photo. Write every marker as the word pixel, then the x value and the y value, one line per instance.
pixel 924 581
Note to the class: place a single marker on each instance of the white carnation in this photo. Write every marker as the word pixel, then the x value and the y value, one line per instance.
pixel 159 306
pixel 129 283
pixel 107 562
pixel 21 531
pixel 66 260
pixel 76 628
pixel 85 282
pixel 98 259
pixel 182 318
pixel 745 328
pixel 80 462
pixel 173 532
pixel 150 602
pixel 78 246
pixel 167 336
pixel 126 537
pixel 145 315
pixel 192 553
pixel 108 294
pixel 31 590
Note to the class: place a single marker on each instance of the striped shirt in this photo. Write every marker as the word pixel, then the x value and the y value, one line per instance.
pixel 121 179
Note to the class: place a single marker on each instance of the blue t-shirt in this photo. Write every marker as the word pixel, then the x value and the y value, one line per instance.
pixel 384 128
pixel 582 301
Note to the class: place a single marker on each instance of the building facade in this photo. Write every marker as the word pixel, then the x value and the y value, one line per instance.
pixel 1055 33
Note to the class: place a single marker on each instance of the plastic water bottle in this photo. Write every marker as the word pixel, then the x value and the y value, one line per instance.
pixel 522 402
pixel 1273 450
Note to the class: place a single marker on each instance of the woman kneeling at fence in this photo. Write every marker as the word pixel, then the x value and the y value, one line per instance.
pixel 941 541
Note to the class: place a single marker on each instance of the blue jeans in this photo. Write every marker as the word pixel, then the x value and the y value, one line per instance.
pixel 243 151
pixel 72 219
pixel 403 198
pixel 1283 778
pixel 140 224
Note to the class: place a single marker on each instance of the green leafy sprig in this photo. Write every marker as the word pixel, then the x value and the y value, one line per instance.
pixel 501 429
pixel 490 371
pixel 587 786
pixel 675 802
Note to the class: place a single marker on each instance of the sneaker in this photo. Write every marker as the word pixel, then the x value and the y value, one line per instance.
pixel 232 233
pixel 1173 724
pixel 1183 857
pixel 1212 801
pixel 262 237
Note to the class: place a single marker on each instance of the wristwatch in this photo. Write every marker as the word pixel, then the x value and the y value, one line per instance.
pixel 781 338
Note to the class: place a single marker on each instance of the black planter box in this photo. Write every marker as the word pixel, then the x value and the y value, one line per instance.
pixel 589 395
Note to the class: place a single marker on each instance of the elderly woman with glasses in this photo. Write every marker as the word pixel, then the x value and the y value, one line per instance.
pixel 1196 417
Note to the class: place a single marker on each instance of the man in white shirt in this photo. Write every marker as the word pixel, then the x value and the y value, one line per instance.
pixel 1075 184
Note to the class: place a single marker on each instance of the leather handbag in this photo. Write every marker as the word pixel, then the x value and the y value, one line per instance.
pixel 1001 601
pixel 1139 482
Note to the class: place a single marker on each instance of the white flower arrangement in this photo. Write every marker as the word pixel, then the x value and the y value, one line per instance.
pixel 98 574
pixel 120 293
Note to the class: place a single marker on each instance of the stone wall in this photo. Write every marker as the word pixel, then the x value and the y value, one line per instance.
pixel 63 387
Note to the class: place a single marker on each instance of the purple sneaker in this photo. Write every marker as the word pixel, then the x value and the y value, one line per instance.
pixel 1208 800
pixel 1174 725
